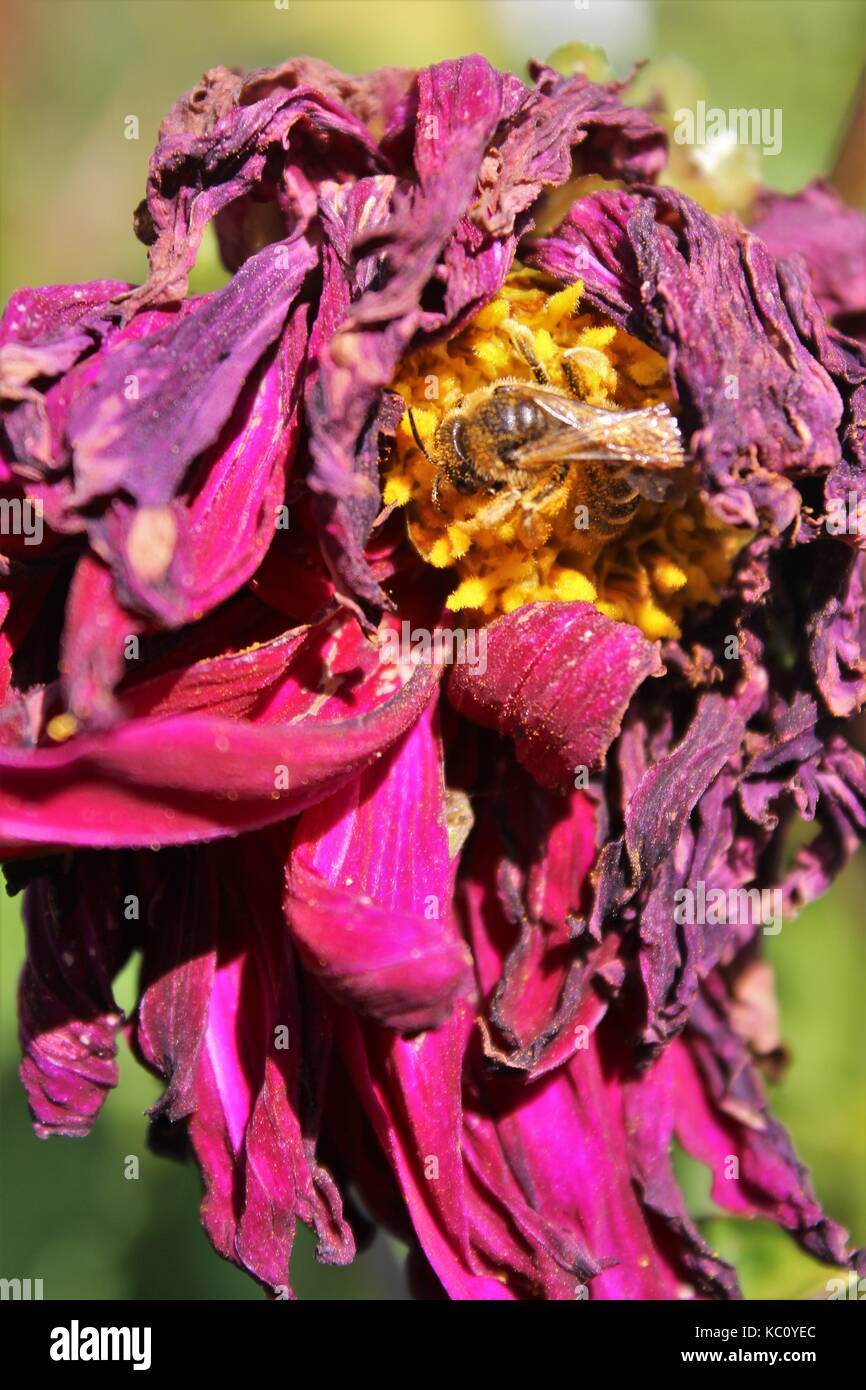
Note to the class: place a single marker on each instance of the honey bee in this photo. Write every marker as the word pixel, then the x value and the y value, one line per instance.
pixel 522 442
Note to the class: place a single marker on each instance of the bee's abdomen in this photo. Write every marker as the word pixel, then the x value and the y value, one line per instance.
pixel 610 498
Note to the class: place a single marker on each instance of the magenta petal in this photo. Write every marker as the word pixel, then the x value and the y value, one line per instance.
pixel 564 115
pixel 578 1112
pixel 423 1077
pixel 529 863
pixel 191 777
pixel 440 1221
pixel 239 684
pixel 77 940
pixel 652 1101
pixel 671 786
pixel 177 981
pixel 559 679
pixel 841 778
pixel 94 633
pixel 514 1230
pixel 389 964
pixel 38 427
pixel 368 891
pixel 282 1177
pixel 710 297
pixel 591 244
pixel 838 633
pixel 143 443
pixel 227 512
pixel 220 142
pixel 830 237
pixel 485 1232
pixel 481 1236
pixel 223 1020
pixel 721 1113
pixel 44 331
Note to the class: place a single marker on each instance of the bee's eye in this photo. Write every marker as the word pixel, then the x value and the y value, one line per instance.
pixel 459 440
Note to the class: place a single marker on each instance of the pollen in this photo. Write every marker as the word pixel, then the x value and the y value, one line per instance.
pixel 472 593
pixel 62 727
pixel 398 491
pixel 670 555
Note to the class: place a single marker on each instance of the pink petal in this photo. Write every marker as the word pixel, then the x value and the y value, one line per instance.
pixel 77 940
pixel 224 1020
pixel 369 888
pixel 559 678
pixel 191 777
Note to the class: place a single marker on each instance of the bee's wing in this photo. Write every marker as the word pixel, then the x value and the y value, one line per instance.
pixel 639 439
pixel 577 431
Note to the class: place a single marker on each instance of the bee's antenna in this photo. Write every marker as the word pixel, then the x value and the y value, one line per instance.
pixel 418 440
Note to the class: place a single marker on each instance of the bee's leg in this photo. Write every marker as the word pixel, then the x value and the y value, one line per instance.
pixel 569 372
pixel 493 512
pixel 522 339
pixel 588 357
pixel 535 524
pixel 551 484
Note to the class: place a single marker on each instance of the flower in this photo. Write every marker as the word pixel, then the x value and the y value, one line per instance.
pixel 430 936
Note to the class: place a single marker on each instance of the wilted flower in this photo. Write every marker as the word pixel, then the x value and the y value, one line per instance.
pixel 474 944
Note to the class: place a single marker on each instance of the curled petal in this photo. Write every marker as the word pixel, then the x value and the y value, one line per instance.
pixel 44 331
pixel 589 1200
pixel 837 632
pixel 178 559
pixel 78 939
pixel 656 263
pixel 721 1111
pixel 524 891
pixel 191 777
pixel 559 678
pixel 562 117
pixel 94 634
pixel 222 1018
pixel 143 441
pixel 369 889
pixel 670 789
pixel 214 148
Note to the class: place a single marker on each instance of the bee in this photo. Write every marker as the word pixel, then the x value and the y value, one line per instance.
pixel 526 444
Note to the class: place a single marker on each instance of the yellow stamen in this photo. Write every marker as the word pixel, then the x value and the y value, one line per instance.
pixel 397 490
pixel 472 593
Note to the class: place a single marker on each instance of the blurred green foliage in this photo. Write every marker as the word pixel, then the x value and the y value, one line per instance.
pixel 74 70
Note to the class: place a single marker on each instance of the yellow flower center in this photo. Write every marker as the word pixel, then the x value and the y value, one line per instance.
pixel 512 545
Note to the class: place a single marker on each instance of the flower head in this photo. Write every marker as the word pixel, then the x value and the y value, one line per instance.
pixel 475 943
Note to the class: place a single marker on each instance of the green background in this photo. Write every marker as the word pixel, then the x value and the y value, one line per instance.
pixel 74 70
